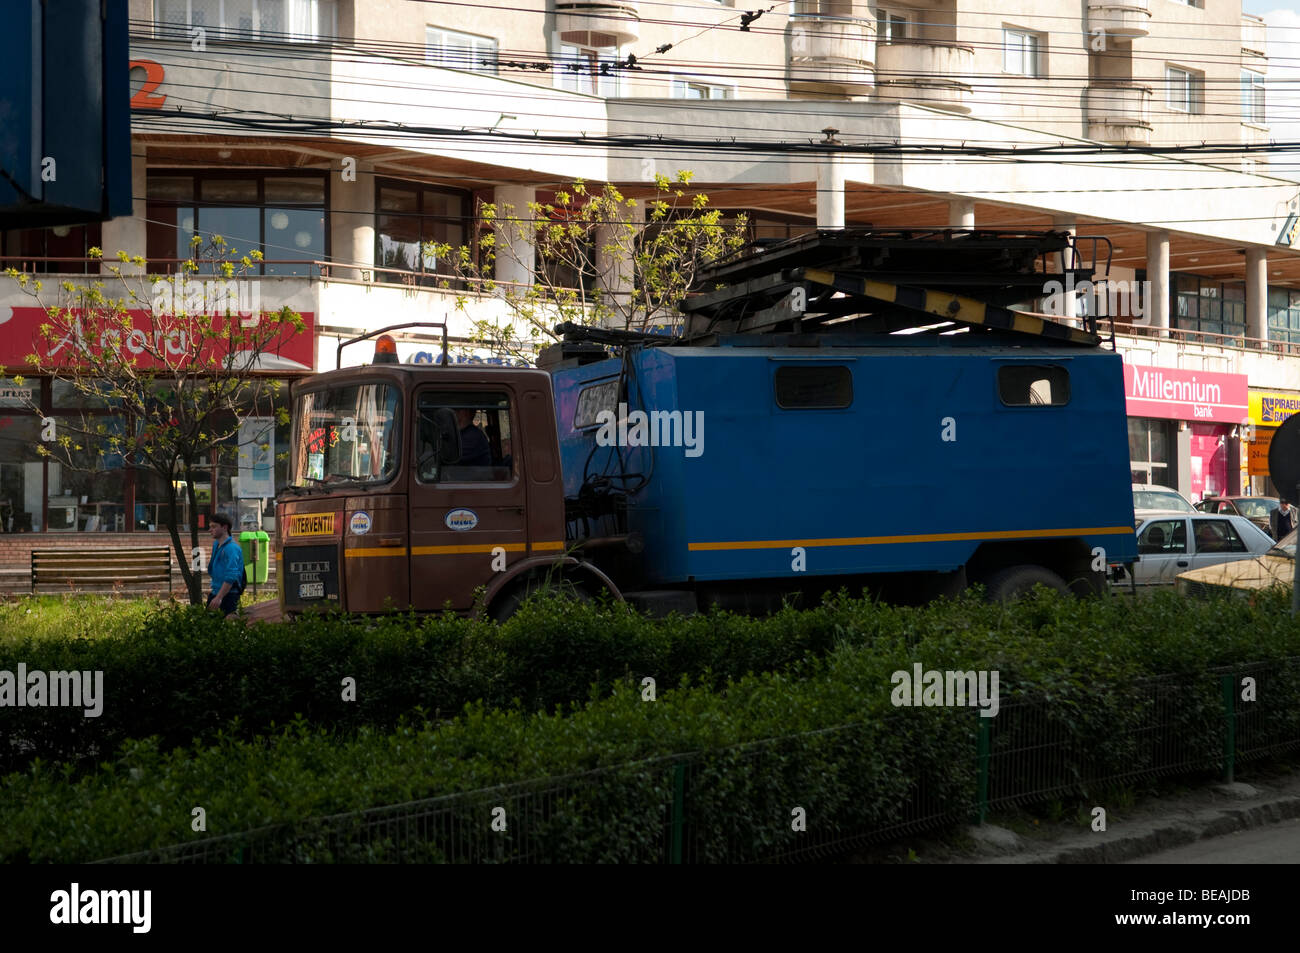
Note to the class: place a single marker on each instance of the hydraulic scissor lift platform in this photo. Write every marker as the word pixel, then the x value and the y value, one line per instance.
pixel 869 281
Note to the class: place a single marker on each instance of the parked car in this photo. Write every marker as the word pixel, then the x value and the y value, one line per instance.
pixel 1170 543
pixel 1244 577
pixel 1257 509
pixel 1149 499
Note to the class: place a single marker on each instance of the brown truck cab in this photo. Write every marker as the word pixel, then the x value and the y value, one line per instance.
pixel 420 486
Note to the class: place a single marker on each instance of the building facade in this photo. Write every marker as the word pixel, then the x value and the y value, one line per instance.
pixel 340 137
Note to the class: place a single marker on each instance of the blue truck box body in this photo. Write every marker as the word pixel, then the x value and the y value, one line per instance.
pixel 872 487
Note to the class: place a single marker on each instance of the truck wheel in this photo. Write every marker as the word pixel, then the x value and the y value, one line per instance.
pixel 1008 584
pixel 509 603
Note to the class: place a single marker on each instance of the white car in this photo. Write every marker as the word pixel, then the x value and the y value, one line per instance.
pixel 1149 499
pixel 1173 543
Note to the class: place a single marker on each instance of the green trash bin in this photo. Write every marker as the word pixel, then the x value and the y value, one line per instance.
pixel 256 545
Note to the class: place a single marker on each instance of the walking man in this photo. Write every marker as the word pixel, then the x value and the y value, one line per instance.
pixel 225 568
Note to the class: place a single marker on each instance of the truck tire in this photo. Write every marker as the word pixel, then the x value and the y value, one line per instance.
pixel 510 601
pixel 1014 582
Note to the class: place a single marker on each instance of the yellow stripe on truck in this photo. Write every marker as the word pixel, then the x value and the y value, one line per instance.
pixel 359 553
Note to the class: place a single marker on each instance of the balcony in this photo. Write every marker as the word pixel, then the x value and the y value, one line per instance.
pixel 1118 112
pixel 832 52
pixel 1119 19
pixel 1254 35
pixel 925 72
pixel 609 23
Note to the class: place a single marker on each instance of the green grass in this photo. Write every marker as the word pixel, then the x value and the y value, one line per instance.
pixel 86 616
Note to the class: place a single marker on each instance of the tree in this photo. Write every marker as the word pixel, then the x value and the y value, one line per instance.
pixel 598 258
pixel 175 355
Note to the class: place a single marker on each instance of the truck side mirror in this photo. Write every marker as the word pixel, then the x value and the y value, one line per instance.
pixel 441 439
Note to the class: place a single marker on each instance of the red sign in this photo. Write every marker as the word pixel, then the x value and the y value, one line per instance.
pixel 20 335
pixel 1185 395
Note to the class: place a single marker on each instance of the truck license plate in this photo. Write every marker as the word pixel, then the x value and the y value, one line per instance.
pixel 311 590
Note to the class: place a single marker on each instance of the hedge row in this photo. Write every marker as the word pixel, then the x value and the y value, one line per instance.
pixel 1078 656
pixel 186 677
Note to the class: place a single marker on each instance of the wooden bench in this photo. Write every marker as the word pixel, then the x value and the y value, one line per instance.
pixel 74 568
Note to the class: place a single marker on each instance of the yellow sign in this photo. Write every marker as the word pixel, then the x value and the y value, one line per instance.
pixel 1269 408
pixel 1257 461
pixel 311 524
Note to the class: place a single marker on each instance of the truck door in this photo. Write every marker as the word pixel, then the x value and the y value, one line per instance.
pixel 468 518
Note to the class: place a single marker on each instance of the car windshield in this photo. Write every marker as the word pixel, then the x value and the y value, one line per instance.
pixel 1286 547
pixel 1255 509
pixel 344 435
pixel 1160 500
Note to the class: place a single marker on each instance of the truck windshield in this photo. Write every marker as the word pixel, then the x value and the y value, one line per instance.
pixel 345 435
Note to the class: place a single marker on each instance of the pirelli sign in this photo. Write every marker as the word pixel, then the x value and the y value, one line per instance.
pixel 312 524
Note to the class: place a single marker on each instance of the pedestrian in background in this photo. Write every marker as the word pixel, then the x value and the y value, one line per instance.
pixel 225 568
pixel 1282 520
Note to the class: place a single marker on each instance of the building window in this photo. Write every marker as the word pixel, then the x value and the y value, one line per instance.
pixel 60 249
pixel 890 26
pixel 1020 53
pixel 1284 315
pixel 409 218
pixel 588 69
pixel 1183 89
pixel 1209 306
pixel 460 50
pixel 1252 97
pixel 282 216
pixel 268 20
pixel 690 89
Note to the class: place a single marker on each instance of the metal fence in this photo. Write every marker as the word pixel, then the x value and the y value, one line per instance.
pixel 815 793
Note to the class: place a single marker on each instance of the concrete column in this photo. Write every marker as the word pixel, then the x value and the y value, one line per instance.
pixel 830 192
pixel 129 233
pixel 1157 304
pixel 352 222
pixel 516 253
pixel 614 269
pixel 961 213
pixel 1065 260
pixel 1257 294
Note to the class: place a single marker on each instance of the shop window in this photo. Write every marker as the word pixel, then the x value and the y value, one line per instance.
pixel 21 467
pixel 1028 385
pixel 814 388
pixel 87 480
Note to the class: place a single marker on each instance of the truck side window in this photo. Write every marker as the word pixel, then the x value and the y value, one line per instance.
pixel 486 451
pixel 594 399
pixel 821 387
pixel 1026 385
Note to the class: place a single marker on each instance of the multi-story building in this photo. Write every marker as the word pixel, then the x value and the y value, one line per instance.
pixel 339 136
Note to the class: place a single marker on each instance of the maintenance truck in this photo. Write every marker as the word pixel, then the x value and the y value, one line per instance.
pixel 853 408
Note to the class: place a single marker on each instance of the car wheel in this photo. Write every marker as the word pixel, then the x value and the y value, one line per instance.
pixel 1014 582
